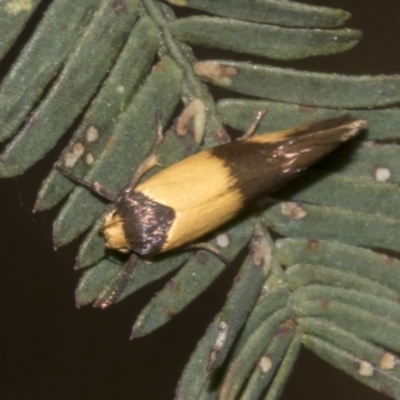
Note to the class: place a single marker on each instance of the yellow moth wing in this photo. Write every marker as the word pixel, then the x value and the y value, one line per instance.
pixel 200 191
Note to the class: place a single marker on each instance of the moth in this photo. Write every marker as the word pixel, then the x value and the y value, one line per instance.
pixel 193 197
pixel 183 202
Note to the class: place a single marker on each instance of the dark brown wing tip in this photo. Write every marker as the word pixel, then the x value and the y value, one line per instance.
pixel 352 126
pixel 338 129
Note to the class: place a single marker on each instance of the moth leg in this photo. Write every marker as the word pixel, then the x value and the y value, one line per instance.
pixel 113 291
pixel 150 160
pixel 209 247
pixel 252 128
pixel 95 187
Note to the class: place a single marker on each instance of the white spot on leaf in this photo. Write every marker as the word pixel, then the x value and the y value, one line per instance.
pixel 382 174
pixel 92 134
pixel 196 110
pixel 222 240
pixel 221 338
pixel 365 369
pixel 265 364
pixel 73 156
pixel 293 210
pixel 16 6
pixel 387 361
pixel 89 159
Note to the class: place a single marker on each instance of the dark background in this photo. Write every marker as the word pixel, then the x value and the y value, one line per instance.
pixel 52 350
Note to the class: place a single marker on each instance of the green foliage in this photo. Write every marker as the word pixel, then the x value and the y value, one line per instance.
pixel 112 64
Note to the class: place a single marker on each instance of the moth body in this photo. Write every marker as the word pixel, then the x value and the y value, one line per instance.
pixel 195 196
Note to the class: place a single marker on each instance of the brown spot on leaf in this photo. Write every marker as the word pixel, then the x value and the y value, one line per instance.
pixel 307 110
pixel 313 245
pixel 110 142
pixel 119 6
pixel 286 327
pixel 161 65
pixel 388 260
pixel 202 257
pixel 170 313
pixel 172 286
pixel 388 392
pixel 325 304
pixel 215 72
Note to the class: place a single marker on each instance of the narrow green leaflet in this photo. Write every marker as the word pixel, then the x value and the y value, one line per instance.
pixel 265 307
pixel 300 275
pixel 214 133
pixel 203 360
pixel 378 268
pixel 197 274
pixel 135 130
pixel 301 87
pixel 361 369
pixel 285 369
pixel 377 161
pixel 268 363
pixel 239 114
pixel 93 281
pixel 92 249
pixel 379 329
pixel 41 59
pixel 74 87
pixel 100 281
pixel 130 69
pixel 149 271
pixel 356 228
pixel 262 40
pixel 258 342
pixel 13 17
pixel 369 364
pixel 363 300
pixel 285 13
pixel 345 191
pixel 346 303
pixel 245 290
pixel 195 373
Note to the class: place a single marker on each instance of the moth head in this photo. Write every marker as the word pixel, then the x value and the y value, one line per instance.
pixel 114 234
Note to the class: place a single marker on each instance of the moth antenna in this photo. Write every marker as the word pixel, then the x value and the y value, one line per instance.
pixel 95 187
pixel 150 160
